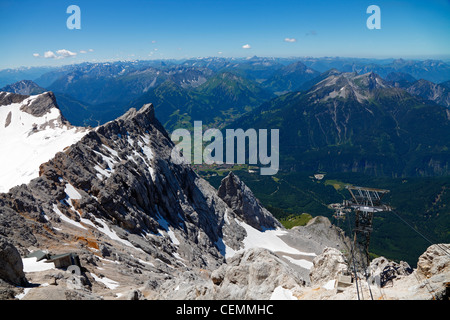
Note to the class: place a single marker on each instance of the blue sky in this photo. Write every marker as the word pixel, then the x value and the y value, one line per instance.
pixel 164 29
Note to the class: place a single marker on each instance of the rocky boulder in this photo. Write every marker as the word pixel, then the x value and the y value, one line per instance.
pixel 327 266
pixel 11 266
pixel 435 260
pixel 254 274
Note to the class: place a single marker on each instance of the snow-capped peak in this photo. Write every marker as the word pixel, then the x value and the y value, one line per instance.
pixel 32 131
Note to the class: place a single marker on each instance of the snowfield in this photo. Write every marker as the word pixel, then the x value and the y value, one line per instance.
pixel 31 142
pixel 31 265
pixel 268 239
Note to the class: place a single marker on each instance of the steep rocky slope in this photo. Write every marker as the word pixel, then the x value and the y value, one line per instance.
pixel 116 199
pixel 147 228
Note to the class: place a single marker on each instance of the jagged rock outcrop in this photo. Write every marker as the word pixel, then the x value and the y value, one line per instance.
pixel 115 195
pixel 321 229
pixel 243 202
pixel 17 229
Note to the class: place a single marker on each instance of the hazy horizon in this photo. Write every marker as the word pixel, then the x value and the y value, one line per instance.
pixel 37 33
pixel 445 59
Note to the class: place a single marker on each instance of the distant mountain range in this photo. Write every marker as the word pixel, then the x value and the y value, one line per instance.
pixel 290 77
pixel 357 123
pixel 432 70
pixel 350 121
pixel 112 193
pixel 183 91
pixel 24 87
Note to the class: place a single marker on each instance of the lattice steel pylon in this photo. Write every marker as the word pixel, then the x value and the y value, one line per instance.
pixel 365 202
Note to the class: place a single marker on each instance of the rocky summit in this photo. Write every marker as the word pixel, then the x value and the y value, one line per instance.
pixel 112 217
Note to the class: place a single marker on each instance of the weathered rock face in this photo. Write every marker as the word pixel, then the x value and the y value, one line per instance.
pixel 7 98
pixel 254 274
pixel 14 227
pixel 11 267
pixel 41 105
pixel 249 275
pixel 37 107
pixel 327 266
pixel 435 260
pixel 243 202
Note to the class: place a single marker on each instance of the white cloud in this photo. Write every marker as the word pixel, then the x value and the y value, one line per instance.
pixel 246 46
pixel 290 40
pixel 60 54
pixel 83 51
pixel 49 54
pixel 91 50
pixel 66 53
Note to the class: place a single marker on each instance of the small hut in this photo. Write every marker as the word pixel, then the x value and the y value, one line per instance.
pixel 65 260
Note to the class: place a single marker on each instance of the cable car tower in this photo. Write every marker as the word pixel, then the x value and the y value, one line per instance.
pixel 365 202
